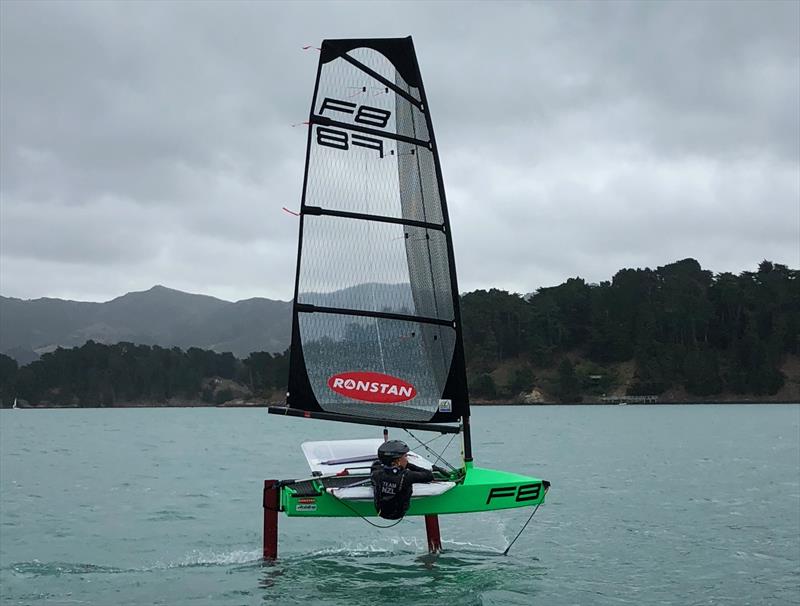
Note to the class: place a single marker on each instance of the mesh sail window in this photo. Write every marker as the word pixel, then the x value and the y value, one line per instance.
pixel 376 325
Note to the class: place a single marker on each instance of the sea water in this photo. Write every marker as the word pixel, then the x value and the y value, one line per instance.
pixel 692 504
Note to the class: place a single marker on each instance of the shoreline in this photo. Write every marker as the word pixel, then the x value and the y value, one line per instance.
pixel 472 404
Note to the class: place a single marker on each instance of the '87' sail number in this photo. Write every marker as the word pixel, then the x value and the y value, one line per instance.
pixel 362 114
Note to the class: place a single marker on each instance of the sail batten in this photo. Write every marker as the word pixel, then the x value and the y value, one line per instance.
pixel 306 308
pixel 376 329
pixel 318 210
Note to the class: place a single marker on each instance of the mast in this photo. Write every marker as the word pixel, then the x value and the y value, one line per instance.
pixel 459 360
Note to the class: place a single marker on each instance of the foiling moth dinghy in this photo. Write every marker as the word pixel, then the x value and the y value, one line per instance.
pixel 376 325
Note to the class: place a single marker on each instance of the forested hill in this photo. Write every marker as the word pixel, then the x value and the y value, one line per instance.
pixel 677 332
pixel 646 332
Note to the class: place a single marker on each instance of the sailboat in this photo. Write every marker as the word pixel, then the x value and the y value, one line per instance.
pixel 376 324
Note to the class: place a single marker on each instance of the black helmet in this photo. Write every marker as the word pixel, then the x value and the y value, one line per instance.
pixel 391 450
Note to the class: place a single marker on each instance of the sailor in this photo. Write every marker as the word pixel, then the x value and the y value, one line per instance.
pixel 392 477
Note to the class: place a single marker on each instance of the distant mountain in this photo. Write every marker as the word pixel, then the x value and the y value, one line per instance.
pixel 159 316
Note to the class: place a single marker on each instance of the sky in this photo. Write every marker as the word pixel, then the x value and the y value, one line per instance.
pixel 147 143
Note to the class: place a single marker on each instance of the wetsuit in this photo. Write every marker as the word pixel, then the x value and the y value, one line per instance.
pixel 392 487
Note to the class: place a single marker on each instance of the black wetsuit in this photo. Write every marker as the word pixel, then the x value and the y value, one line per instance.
pixel 392 487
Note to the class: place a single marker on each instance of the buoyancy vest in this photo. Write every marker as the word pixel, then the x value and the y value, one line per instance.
pixel 392 487
pixel 392 494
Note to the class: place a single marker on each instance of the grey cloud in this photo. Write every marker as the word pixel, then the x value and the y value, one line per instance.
pixel 704 78
pixel 620 212
pixel 146 143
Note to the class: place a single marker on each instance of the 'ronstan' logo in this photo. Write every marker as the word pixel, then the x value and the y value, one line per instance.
pixel 372 387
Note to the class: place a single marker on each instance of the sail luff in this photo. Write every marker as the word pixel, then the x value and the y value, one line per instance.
pixel 429 128
pixel 458 365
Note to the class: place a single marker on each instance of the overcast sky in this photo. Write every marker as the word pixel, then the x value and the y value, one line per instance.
pixel 148 143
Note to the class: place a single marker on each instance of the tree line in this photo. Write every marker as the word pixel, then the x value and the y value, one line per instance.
pixel 679 326
pixel 104 375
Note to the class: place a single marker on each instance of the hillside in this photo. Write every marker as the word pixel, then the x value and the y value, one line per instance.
pixel 158 316
pixel 677 332
pixel 615 381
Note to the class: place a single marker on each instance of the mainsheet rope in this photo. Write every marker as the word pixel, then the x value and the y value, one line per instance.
pixel 346 504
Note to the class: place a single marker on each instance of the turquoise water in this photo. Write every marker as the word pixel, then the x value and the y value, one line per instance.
pixel 649 505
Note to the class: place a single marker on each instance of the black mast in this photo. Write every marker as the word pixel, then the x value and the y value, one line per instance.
pixel 459 362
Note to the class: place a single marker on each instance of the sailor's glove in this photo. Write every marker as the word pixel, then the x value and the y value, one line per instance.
pixel 441 470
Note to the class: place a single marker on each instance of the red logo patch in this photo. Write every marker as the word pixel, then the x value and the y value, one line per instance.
pixel 372 387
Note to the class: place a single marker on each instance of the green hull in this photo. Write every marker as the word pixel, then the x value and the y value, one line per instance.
pixel 480 490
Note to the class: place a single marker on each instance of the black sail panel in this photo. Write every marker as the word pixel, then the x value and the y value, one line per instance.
pixel 376 325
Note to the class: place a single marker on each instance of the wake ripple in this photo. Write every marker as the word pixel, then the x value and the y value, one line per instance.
pixel 193 559
pixel 169 515
pixel 211 558
pixel 43 569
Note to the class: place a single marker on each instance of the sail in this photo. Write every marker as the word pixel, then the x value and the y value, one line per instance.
pixel 376 326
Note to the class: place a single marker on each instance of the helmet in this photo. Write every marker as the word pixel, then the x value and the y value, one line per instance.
pixel 391 450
